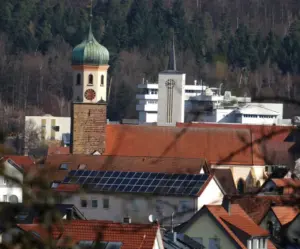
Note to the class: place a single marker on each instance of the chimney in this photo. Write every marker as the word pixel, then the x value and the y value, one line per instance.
pixel 226 204
pixel 195 82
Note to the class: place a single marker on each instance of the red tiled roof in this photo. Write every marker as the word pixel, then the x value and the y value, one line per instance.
pixel 24 161
pixel 268 141
pixel 285 214
pixel 58 150
pixel 238 219
pixel 286 182
pixel 156 141
pixel 67 188
pixel 279 133
pixel 131 235
pixel 258 206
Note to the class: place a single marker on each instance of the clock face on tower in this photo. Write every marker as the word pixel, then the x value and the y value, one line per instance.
pixel 90 94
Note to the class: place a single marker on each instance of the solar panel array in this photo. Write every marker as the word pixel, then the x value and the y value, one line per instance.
pixel 138 182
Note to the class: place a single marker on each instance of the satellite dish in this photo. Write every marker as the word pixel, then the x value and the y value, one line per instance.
pixel 152 218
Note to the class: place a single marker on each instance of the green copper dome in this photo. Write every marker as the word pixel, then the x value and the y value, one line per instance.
pixel 90 52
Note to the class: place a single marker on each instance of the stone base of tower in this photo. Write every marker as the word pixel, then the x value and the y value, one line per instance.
pixel 88 123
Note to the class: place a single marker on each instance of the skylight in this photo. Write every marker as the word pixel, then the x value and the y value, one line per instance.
pixel 63 166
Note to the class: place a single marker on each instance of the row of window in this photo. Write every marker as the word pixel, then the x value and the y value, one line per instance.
pixel 94 203
pixel 90 80
pixel 258 116
pixel 11 198
pixel 257 243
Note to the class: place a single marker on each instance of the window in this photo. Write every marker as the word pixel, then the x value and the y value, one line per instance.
pixel 4 198
pixel 53 122
pixel 241 186
pixel 13 199
pixel 91 79
pixel 43 131
pixel 63 166
pixel 105 203
pixel 83 203
pixel 198 239
pixel 81 166
pixel 78 79
pixel 214 243
pixel 94 203
pixel 159 207
pixel 102 80
pixel 183 206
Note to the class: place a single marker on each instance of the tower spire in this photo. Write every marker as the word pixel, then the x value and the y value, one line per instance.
pixel 172 56
pixel 90 35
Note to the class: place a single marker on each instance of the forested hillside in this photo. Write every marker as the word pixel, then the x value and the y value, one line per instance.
pixel 249 45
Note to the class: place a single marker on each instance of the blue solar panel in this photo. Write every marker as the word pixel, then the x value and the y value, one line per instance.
pixel 138 182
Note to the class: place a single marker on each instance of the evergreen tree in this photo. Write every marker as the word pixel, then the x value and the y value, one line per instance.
pixel 137 20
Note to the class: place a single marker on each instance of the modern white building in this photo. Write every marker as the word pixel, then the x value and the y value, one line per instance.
pixel 48 127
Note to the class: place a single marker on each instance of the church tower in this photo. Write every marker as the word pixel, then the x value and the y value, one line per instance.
pixel 171 93
pixel 88 118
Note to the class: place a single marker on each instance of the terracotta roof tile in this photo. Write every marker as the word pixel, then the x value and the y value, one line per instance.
pixel 285 214
pixel 280 133
pixel 156 141
pixel 274 149
pixel 131 235
pixel 286 182
pixel 257 206
pixel 67 188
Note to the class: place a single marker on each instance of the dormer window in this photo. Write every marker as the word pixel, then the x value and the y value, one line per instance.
pixel 54 184
pixel 82 166
pixel 91 79
pixel 63 166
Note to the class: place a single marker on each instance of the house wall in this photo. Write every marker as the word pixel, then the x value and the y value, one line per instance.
pixel 292 233
pixel 212 195
pixel 205 227
pixel 9 188
pixel 137 207
pixel 243 171
pixel 64 124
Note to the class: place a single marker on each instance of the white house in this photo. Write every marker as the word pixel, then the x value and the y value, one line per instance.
pixel 11 191
pixel 49 127
pixel 136 195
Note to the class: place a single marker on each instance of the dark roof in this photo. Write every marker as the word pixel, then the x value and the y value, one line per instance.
pixel 225 178
pixel 22 214
pixel 181 241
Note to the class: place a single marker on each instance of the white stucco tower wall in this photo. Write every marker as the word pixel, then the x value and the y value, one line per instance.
pixel 171 90
pixel 171 93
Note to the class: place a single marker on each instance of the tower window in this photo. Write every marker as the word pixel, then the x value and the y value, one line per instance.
pixel 102 80
pixel 91 79
pixel 78 79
